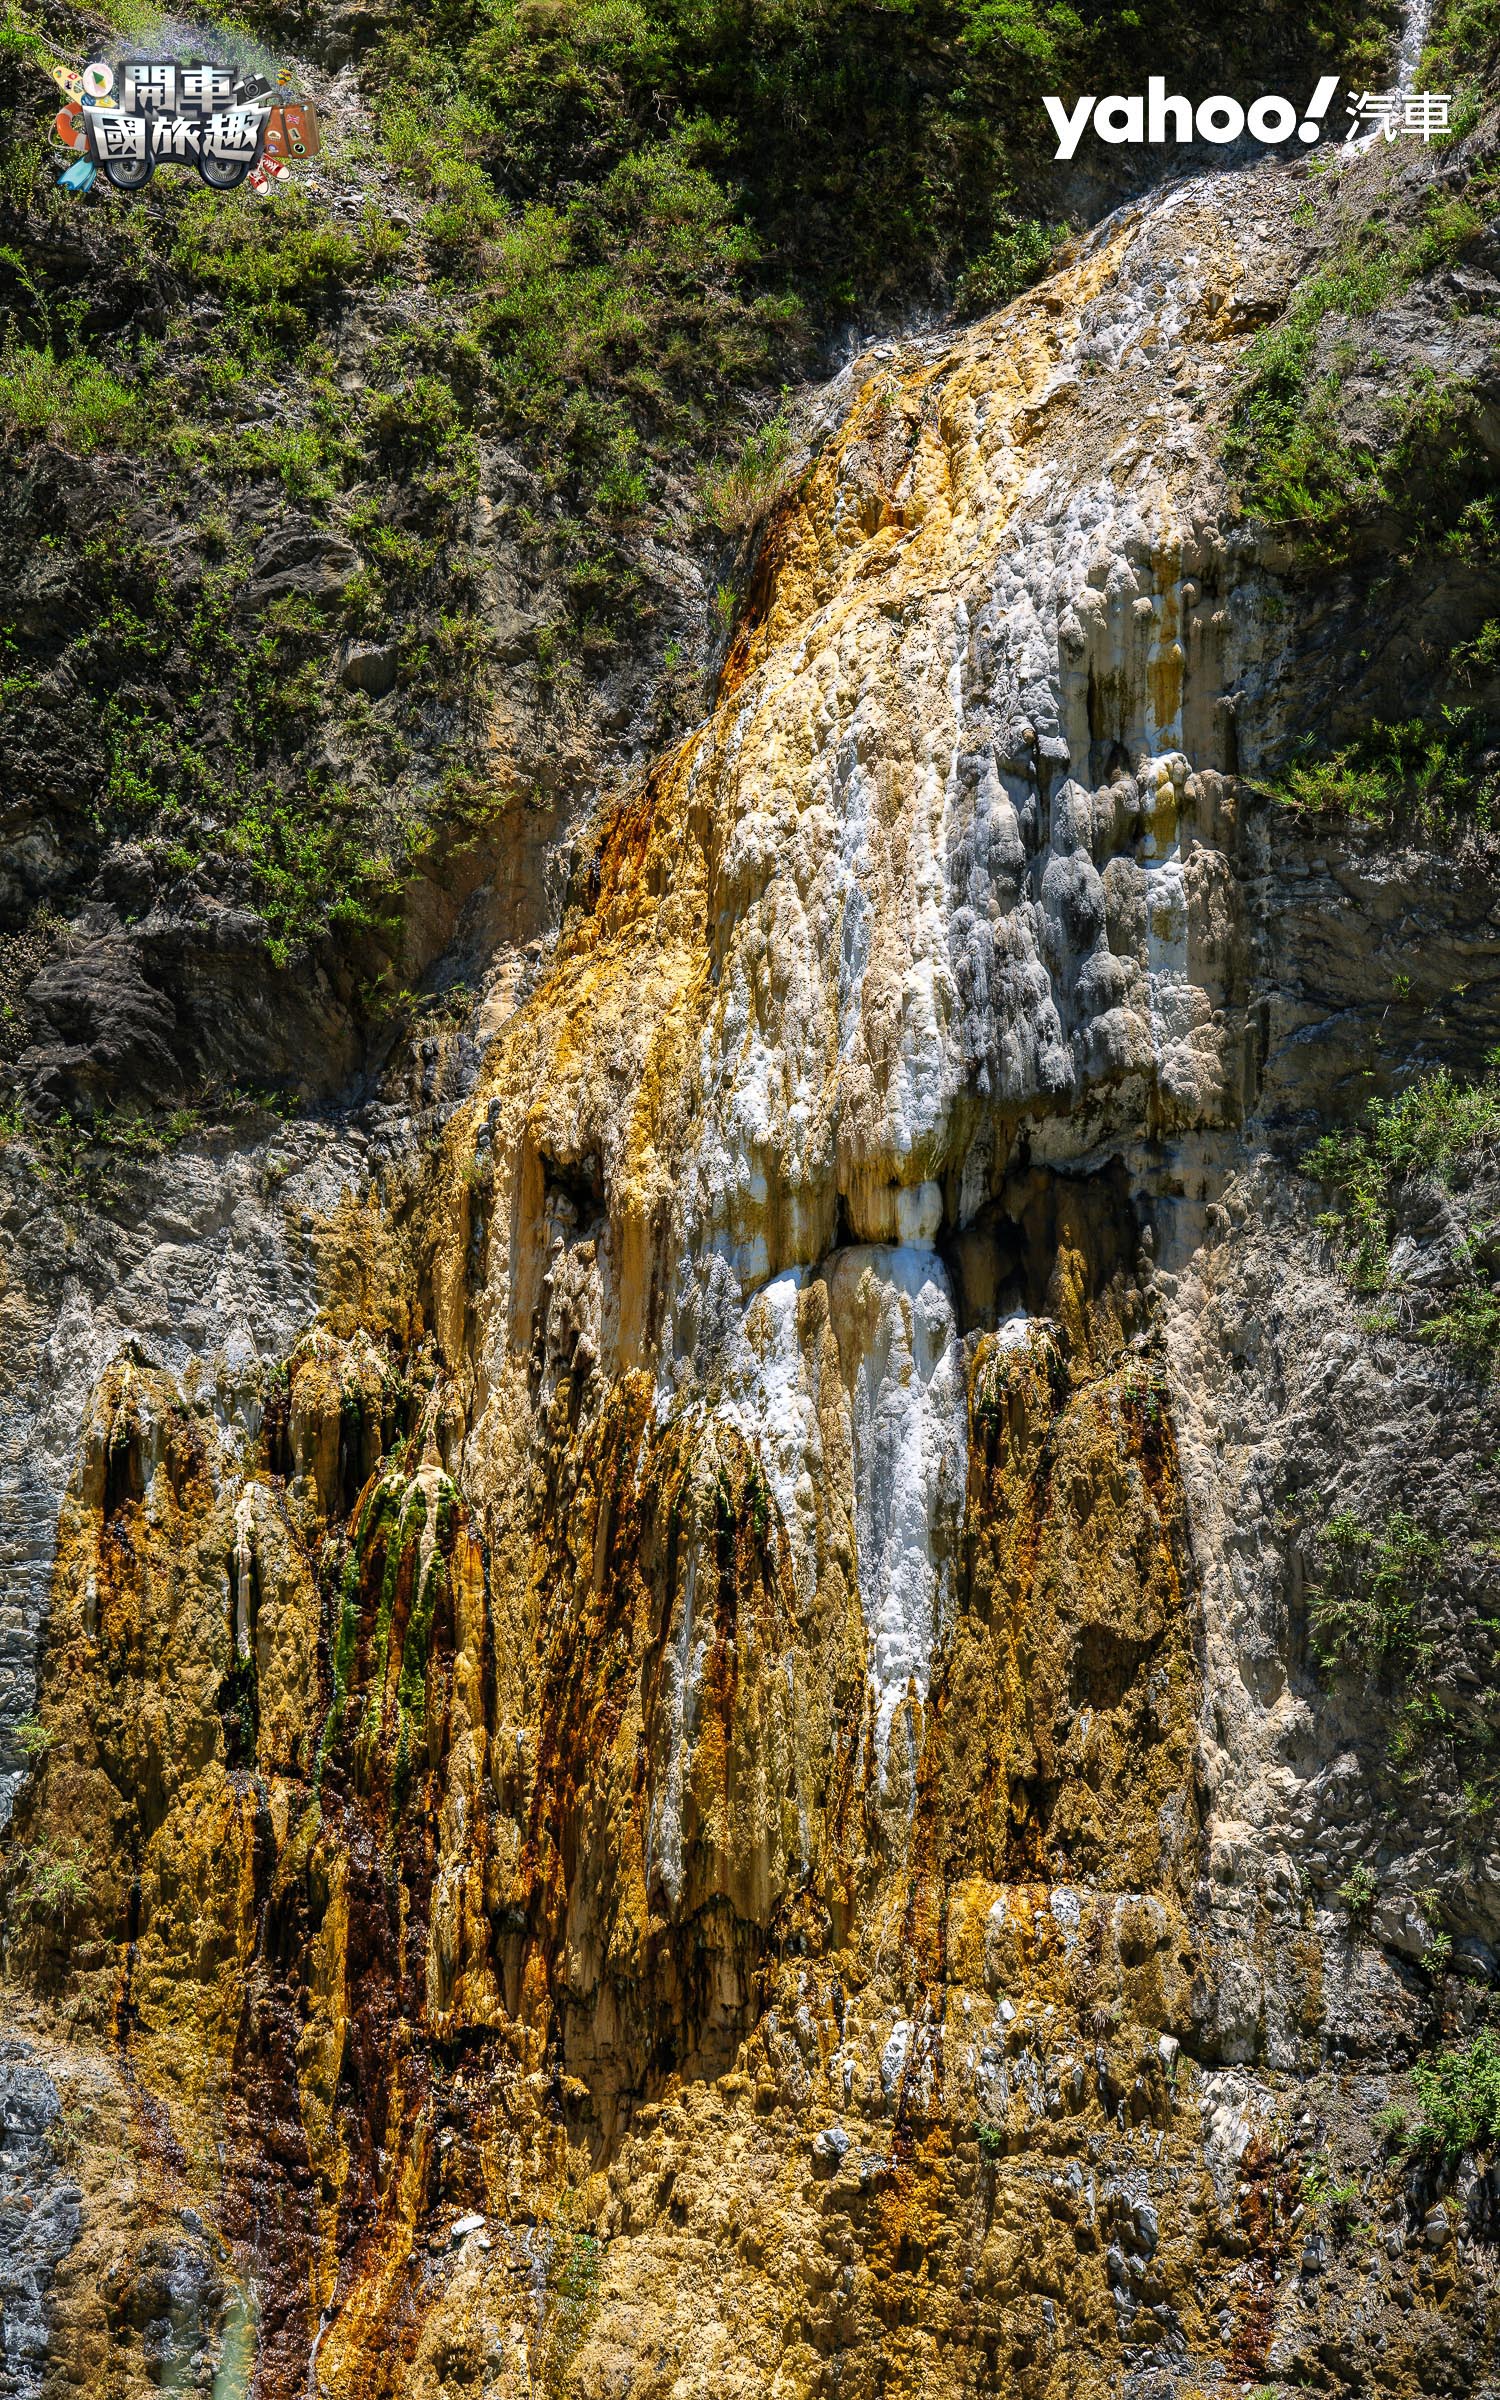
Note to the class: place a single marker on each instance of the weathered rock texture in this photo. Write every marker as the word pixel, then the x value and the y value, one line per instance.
pixel 692 1761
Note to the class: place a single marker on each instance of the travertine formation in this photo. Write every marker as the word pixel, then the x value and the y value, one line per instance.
pixel 686 1756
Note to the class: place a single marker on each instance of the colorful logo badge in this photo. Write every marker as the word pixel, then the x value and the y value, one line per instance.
pixel 125 120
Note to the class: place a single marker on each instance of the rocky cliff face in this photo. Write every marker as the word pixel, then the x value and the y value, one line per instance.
pixel 676 1747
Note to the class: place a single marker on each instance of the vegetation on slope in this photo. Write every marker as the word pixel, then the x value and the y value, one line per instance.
pixel 1396 1610
pixel 600 232
pixel 1440 1133
pixel 1362 441
pixel 1299 463
pixel 1437 780
pixel 867 146
pixel 1407 475
pixel 1398 1607
pixel 1460 2095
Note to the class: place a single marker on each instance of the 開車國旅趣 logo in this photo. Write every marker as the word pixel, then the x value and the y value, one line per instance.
pixel 1158 115
pixel 125 119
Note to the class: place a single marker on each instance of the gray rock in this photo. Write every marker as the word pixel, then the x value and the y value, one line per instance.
pixel 304 559
pixel 830 2147
pixel 176 2299
pixel 40 2217
pixel 370 667
pixel 1401 1926
pixel 101 1028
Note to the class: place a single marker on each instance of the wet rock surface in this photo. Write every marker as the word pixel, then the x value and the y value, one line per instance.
pixel 39 2218
pixel 674 1663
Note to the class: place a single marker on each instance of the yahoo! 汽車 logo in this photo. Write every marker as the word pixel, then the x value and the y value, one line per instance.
pixel 1162 116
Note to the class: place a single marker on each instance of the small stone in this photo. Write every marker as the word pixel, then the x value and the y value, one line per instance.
pixel 830 2147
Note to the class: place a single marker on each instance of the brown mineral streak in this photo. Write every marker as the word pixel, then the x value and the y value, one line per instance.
pixel 541 1858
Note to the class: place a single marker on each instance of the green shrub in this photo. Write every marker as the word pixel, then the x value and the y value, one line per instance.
pixel 312 867
pixel 1459 2092
pixel 1019 251
pixel 52 1885
pixel 1335 2203
pixel 34 1739
pixel 277 271
pixel 1428 1132
pixel 740 493
pixel 626 308
pixel 1469 1327
pixel 1418 776
pixel 301 457
pixel 1481 656
pixel 1366 1612
pixel 440 147
pixel 17 42
pixel 1462 39
pixel 1475 534
pixel 1437 1958
pixel 1338 786
pixel 1423 1724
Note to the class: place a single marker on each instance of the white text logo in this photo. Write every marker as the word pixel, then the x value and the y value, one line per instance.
pixel 1162 117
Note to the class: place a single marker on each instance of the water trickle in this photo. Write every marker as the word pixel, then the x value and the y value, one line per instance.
pixel 902 1364
pixel 1415 26
pixel 239 2343
pixel 684 1672
pixel 244 1563
pixel 769 1397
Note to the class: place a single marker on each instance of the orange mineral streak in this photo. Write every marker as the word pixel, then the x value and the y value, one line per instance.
pixel 892 494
